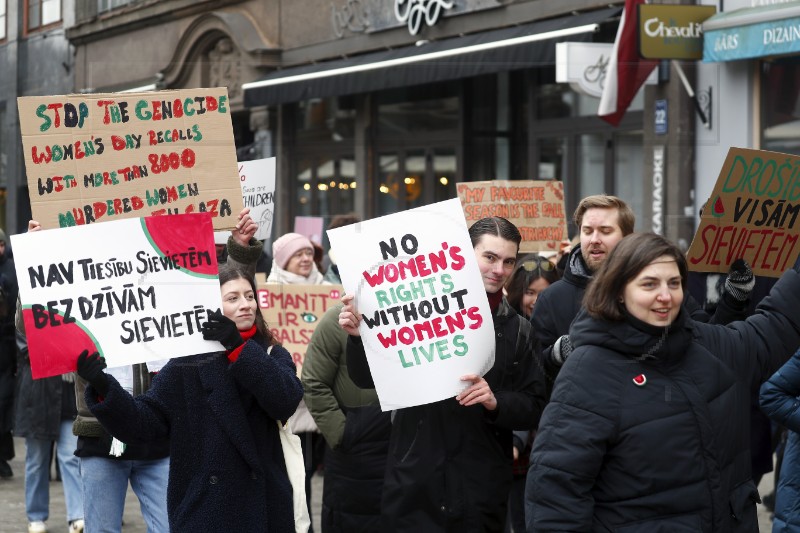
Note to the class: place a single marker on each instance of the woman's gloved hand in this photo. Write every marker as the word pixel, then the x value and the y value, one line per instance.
pixel 90 368
pixel 222 329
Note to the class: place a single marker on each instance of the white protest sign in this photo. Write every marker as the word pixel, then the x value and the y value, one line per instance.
pixel 426 318
pixel 135 290
pixel 257 179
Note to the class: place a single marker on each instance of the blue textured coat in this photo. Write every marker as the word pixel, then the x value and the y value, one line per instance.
pixel 779 400
pixel 227 471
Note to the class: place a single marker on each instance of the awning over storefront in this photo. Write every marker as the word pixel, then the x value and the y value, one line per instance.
pixel 752 32
pixel 513 48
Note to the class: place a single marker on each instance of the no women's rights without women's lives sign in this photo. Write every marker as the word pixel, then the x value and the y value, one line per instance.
pixel 426 319
pixel 98 157
pixel 752 214
pixel 134 290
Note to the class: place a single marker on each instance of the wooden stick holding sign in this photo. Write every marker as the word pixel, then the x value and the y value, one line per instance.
pixel 99 157
pixel 752 214
pixel 426 318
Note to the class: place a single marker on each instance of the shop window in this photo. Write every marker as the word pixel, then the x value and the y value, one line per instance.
pixel 324 166
pixel 43 13
pixel 780 89
pixel 3 4
pixel 558 100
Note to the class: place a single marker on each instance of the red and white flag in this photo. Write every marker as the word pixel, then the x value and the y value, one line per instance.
pixel 627 71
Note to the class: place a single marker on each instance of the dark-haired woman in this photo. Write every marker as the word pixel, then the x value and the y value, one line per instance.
pixel 219 410
pixel 531 276
pixel 647 427
pixel 449 465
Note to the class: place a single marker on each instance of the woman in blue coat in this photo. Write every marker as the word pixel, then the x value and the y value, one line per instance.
pixel 219 410
pixel 779 400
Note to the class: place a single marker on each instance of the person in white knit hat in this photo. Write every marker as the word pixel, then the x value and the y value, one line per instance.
pixel 293 263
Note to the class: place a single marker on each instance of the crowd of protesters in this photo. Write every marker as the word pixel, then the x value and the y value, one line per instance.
pixel 618 400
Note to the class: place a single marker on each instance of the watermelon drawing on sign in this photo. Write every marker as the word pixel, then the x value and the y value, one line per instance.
pixel 169 238
pixel 54 350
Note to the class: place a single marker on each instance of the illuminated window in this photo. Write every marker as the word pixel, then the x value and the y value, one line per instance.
pixel 43 13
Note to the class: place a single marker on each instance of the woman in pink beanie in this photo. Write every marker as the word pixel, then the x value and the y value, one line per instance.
pixel 293 261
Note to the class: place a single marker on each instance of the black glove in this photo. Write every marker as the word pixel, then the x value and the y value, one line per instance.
pixel 223 329
pixel 740 281
pixel 561 349
pixel 90 368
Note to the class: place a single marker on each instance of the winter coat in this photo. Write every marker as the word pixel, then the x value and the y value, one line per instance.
pixel 355 429
pixel 93 439
pixel 450 466
pixel 561 302
pixel 227 470
pixel 779 400
pixel 8 344
pixel 647 428
pixel 42 403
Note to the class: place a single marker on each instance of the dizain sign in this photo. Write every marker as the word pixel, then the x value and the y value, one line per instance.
pixel 672 31
pixel 414 12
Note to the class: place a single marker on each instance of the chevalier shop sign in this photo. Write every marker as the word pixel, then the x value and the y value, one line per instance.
pixel 672 31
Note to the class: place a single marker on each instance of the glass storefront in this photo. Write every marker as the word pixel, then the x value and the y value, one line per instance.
pixel 420 141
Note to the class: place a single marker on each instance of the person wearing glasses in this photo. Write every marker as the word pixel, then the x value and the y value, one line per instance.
pixel 532 275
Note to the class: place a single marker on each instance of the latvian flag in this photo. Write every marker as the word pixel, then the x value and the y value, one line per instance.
pixel 626 70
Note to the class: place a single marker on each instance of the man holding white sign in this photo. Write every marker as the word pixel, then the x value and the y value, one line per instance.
pixel 450 461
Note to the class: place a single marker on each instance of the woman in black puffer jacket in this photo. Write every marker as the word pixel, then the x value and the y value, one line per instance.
pixel 647 429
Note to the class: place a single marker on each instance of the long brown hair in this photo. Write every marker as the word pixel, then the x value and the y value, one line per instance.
pixel 229 273
pixel 628 258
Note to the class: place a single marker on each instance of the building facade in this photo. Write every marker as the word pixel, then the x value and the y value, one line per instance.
pixel 35 59
pixel 383 130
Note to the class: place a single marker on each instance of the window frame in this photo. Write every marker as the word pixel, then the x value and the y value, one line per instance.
pixel 4 21
pixel 41 27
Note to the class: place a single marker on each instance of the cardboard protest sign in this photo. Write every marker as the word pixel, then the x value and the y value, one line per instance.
pixel 257 179
pixel 134 290
pixel 292 313
pixel 426 319
pixel 99 157
pixel 752 214
pixel 535 207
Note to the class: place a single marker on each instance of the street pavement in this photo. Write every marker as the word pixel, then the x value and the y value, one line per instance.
pixel 13 520
pixel 12 502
